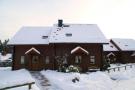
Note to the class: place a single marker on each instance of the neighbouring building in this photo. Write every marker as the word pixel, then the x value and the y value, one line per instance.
pixel 111 53
pixel 36 48
pixel 120 51
pixel 126 49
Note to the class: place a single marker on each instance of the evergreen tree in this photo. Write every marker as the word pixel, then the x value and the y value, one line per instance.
pixel 4 47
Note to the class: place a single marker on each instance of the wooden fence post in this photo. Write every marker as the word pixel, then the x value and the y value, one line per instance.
pixel 118 68
pixel 114 69
pixel 108 71
pixel 29 86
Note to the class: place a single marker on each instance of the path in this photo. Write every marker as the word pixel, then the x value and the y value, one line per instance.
pixel 41 81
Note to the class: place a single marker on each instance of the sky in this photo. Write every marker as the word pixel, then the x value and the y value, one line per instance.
pixel 115 18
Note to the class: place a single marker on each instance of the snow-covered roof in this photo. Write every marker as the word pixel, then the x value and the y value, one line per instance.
pixel 77 33
pixel 125 44
pixel 109 47
pixel 32 49
pixel 72 33
pixel 77 48
pixel 31 35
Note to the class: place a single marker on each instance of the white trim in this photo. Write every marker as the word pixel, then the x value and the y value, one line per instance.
pixel 133 54
pixel 110 54
pixel 75 49
pixel 34 49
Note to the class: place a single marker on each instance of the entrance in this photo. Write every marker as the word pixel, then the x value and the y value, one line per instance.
pixel 35 62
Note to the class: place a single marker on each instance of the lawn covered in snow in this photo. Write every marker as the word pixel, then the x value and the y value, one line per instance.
pixel 123 80
pixel 17 77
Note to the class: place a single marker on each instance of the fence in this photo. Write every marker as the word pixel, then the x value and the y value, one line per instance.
pixel 29 86
pixel 118 68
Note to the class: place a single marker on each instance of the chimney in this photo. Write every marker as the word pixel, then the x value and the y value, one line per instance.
pixel 60 23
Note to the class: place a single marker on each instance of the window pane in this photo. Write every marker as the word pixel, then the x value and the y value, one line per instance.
pixel 22 59
pixel 78 59
pixel 65 61
pixel 47 60
pixel 92 59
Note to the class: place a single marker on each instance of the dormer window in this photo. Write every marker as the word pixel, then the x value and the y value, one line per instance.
pixel 68 34
pixel 126 45
pixel 44 37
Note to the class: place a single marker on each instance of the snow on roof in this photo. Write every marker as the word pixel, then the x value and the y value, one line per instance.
pixel 32 49
pixel 125 44
pixel 77 48
pixel 109 47
pixel 133 54
pixel 31 35
pixel 77 33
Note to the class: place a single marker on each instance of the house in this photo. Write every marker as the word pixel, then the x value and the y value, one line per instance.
pixel 36 48
pixel 126 49
pixel 111 53
pixel 120 50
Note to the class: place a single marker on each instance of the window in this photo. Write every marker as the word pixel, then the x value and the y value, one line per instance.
pixel 22 60
pixel 65 61
pixel 92 59
pixel 78 59
pixel 47 61
pixel 35 59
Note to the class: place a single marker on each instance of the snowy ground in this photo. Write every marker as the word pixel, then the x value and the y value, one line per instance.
pixel 10 78
pixel 119 80
pixel 123 80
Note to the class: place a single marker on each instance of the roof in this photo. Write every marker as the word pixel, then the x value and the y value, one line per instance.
pixel 72 33
pixel 125 44
pixel 79 48
pixel 77 33
pixel 31 35
pixel 109 47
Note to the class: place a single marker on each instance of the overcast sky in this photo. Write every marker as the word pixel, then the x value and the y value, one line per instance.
pixel 116 18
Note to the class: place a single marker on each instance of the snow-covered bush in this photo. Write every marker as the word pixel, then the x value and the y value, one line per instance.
pixel 72 68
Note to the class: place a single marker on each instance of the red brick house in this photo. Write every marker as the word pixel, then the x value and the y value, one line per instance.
pixel 35 48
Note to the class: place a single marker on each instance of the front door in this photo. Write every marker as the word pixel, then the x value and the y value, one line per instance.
pixel 35 62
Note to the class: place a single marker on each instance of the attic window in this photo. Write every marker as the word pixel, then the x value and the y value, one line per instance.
pixel 126 45
pixel 44 37
pixel 68 34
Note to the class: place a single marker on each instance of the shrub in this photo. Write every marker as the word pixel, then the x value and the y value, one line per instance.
pixel 72 68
